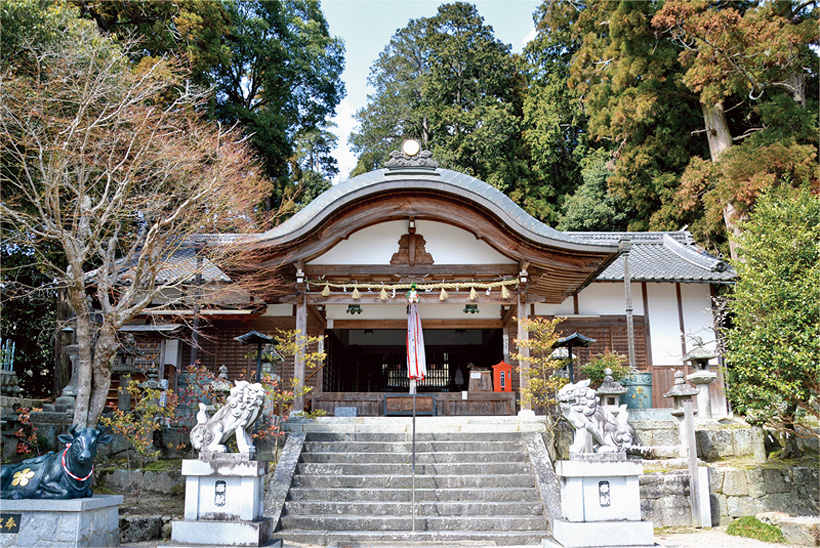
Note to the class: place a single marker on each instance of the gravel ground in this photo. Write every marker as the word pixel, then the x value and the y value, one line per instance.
pixel 713 538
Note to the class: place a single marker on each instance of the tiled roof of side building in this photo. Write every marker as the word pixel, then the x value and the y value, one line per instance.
pixel 663 257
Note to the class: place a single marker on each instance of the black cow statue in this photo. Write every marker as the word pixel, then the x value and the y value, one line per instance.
pixel 62 475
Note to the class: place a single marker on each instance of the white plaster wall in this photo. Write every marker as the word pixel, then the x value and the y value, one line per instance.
pixel 663 324
pixel 433 311
pixel 566 308
pixel 279 310
pixel 609 298
pixel 697 315
pixel 597 299
pixel 450 245
pixel 376 244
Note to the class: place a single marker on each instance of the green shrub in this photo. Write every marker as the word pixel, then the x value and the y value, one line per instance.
pixel 751 527
pixel 594 369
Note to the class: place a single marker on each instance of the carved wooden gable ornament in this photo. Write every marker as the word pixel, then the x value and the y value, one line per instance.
pixel 411 250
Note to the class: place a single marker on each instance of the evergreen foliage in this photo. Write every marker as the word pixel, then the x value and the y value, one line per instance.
pixel 773 358
pixel 273 67
pixel 448 82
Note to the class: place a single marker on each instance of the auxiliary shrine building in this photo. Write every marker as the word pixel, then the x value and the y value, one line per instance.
pixel 480 263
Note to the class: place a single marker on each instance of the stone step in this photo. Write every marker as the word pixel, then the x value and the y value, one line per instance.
pixel 397 509
pixel 449 469
pixel 391 481
pixel 403 523
pixel 423 457
pixel 420 436
pixel 413 539
pixel 407 447
pixel 498 494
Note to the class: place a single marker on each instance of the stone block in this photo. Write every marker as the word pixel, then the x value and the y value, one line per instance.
pixel 140 528
pixel 716 476
pixel 675 511
pixel 741 506
pixel 650 511
pixel 806 482
pixel 744 442
pixel 723 508
pixel 714 444
pixel 802 530
pixel 69 523
pixel 644 438
pixel 776 481
pixel 603 533
pixel 755 483
pixel 666 437
pixel 735 483
pixel 223 533
pixel 783 502
pixel 657 486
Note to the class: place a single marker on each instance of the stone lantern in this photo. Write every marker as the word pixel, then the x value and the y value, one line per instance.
pixel 701 377
pixel 610 392
pixel 681 392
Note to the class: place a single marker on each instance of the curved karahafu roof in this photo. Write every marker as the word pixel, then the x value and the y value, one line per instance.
pixel 557 263
pixel 443 181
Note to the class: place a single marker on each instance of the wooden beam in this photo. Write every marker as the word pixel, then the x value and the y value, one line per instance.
pixel 425 324
pixel 314 313
pixel 462 297
pixel 315 272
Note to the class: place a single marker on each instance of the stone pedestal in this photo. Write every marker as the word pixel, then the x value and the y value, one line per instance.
pixel 40 523
pixel 600 504
pixel 702 379
pixel 224 494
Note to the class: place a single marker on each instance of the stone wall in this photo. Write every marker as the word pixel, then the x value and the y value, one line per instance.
pixel 734 492
pixel 738 492
pixel 716 439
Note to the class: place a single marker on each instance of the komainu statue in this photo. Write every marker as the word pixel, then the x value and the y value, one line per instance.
pixel 596 429
pixel 242 408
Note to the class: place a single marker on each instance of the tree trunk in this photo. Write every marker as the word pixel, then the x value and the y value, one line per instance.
pixel 720 140
pixel 797 85
pixel 105 350
pixel 791 449
pixel 84 342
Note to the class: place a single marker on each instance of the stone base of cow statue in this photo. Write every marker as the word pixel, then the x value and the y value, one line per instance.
pixel 48 502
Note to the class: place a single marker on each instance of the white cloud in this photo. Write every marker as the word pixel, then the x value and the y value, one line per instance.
pixel 529 37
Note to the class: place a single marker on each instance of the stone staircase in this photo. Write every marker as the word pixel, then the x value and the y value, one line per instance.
pixel 353 487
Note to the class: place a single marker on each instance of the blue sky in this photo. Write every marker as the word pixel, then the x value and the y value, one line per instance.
pixel 366 27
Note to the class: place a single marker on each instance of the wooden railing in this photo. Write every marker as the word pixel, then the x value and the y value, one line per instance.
pixel 371 404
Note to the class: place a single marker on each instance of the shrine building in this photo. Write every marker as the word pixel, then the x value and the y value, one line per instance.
pixel 480 263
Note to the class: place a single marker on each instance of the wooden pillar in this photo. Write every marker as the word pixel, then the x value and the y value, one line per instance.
pixel 523 335
pixel 626 246
pixel 682 327
pixel 299 358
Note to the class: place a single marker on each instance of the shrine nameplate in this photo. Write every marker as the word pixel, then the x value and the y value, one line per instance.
pixel 402 404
